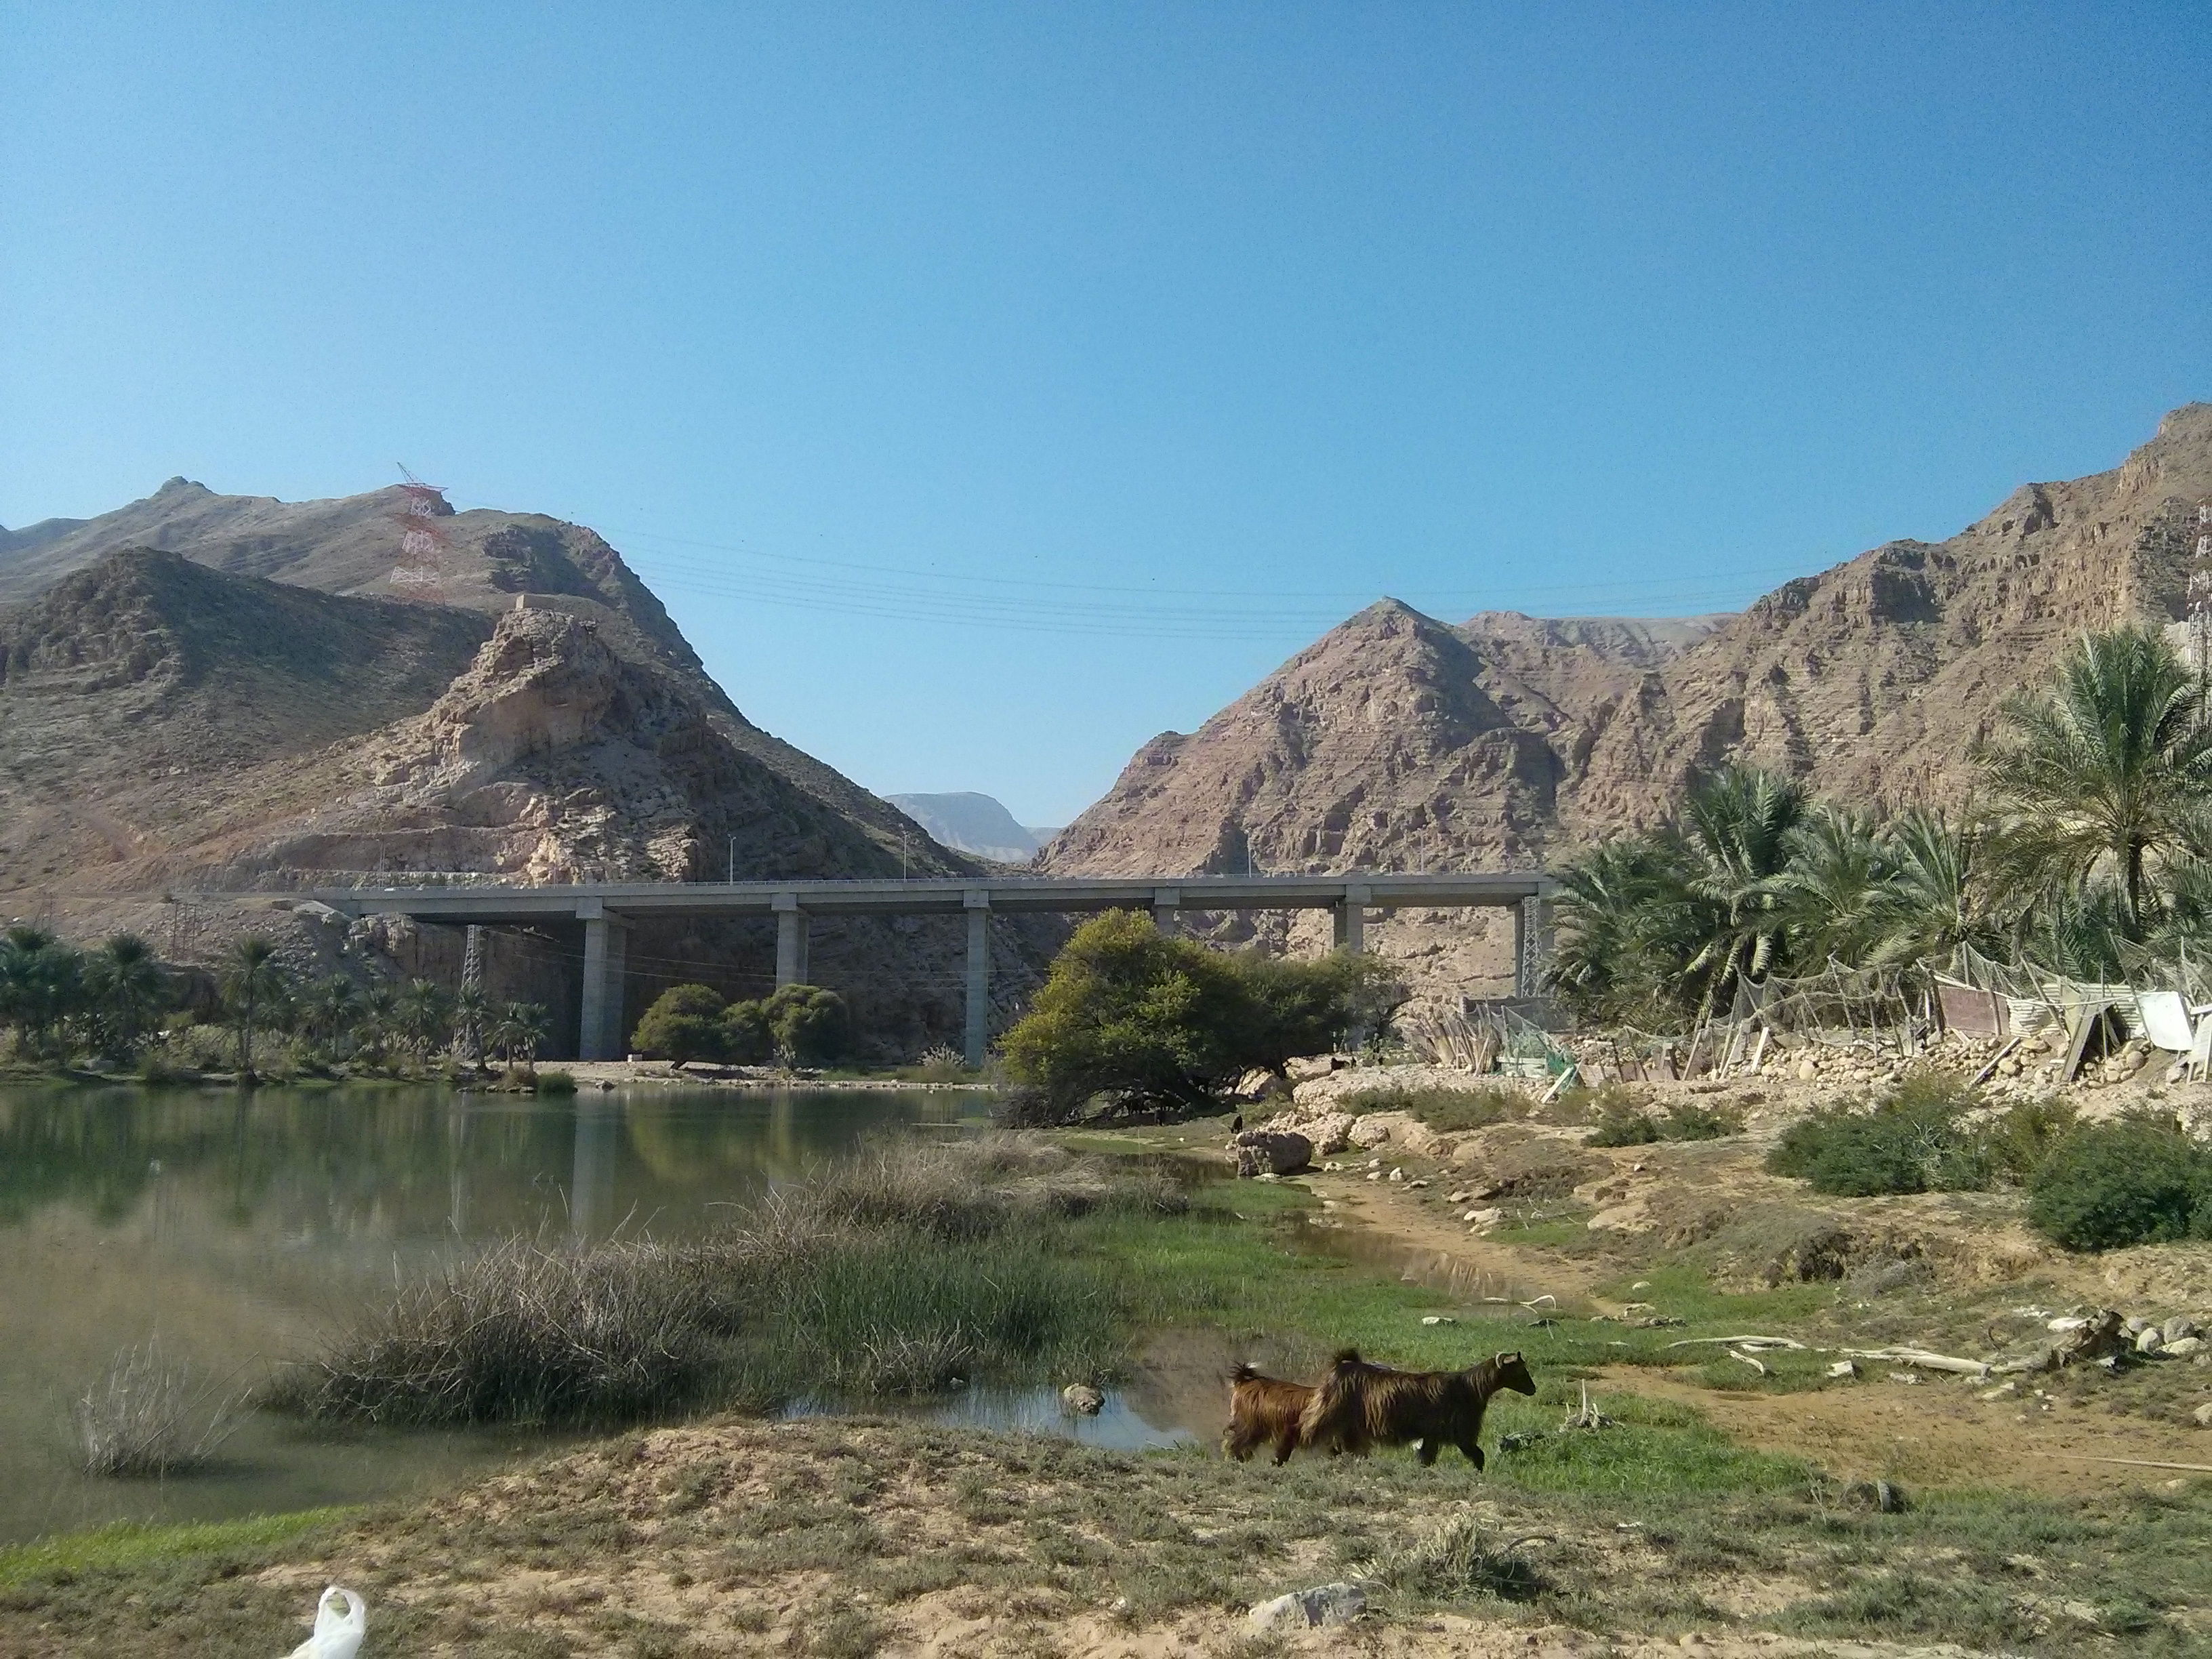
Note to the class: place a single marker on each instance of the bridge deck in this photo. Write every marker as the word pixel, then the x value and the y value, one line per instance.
pixel 949 894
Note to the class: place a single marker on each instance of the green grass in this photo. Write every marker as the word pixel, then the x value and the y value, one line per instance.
pixel 131 1545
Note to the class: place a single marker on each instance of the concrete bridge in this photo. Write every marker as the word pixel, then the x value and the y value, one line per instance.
pixel 604 911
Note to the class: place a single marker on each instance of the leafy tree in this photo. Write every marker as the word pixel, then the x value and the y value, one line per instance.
pixel 126 990
pixel 684 1022
pixel 1154 1019
pixel 747 1039
pixel 1294 1007
pixel 807 1024
pixel 254 986
pixel 2105 775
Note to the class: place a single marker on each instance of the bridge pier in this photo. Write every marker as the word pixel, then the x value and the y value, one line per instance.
pixel 606 949
pixel 1166 902
pixel 790 941
pixel 977 1035
pixel 1352 920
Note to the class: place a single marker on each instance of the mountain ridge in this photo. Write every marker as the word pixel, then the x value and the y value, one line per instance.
pixel 1872 680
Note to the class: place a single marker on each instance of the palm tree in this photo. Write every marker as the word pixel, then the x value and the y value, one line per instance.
pixel 1941 893
pixel 127 989
pixel 421 1016
pixel 1736 830
pixel 254 985
pixel 527 1027
pixel 379 1020
pixel 40 985
pixel 1625 908
pixel 2106 775
pixel 334 1012
pixel 1839 888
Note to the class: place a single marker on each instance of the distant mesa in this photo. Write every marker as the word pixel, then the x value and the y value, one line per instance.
pixel 975 824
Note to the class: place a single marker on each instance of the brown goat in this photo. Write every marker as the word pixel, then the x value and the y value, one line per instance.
pixel 1263 1408
pixel 1358 1407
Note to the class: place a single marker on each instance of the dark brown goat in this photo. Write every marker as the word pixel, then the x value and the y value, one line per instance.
pixel 1263 1408
pixel 1358 1407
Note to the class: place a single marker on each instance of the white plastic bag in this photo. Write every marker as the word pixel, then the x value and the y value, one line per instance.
pixel 337 1634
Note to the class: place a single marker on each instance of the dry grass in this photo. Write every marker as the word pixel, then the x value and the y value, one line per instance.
pixel 968 1189
pixel 524 1332
pixel 149 1416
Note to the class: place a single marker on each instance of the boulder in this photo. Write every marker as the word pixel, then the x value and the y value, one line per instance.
pixel 2150 1340
pixel 2184 1347
pixel 1331 1133
pixel 1271 1152
pixel 1371 1131
pixel 2180 1326
pixel 1308 1609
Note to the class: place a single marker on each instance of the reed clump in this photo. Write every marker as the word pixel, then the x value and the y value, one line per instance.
pixel 525 1332
pixel 902 1270
pixel 150 1416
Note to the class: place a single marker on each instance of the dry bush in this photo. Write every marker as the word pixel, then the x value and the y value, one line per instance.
pixel 150 1416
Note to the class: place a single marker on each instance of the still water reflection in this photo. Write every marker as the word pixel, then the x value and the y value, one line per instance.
pixel 234 1228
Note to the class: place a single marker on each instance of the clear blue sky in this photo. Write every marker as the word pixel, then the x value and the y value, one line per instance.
pixel 987 387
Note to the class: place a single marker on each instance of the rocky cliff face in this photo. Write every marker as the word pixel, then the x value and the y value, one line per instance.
pixel 1397 742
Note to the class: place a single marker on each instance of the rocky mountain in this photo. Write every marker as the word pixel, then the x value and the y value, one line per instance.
pixel 172 725
pixel 1399 742
pixel 973 824
pixel 479 560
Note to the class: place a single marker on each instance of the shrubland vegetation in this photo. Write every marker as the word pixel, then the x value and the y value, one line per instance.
pixel 2135 1180
pixel 1150 1020
pixel 2089 853
pixel 795 1026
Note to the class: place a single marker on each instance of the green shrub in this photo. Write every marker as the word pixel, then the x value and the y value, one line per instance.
pixel 1623 1123
pixel 2025 1134
pixel 2112 1184
pixel 1912 1142
pixel 556 1082
pixel 807 1024
pixel 1443 1109
pixel 1624 1126
pixel 684 1022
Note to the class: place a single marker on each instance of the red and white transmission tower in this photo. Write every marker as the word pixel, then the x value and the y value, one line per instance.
pixel 421 519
